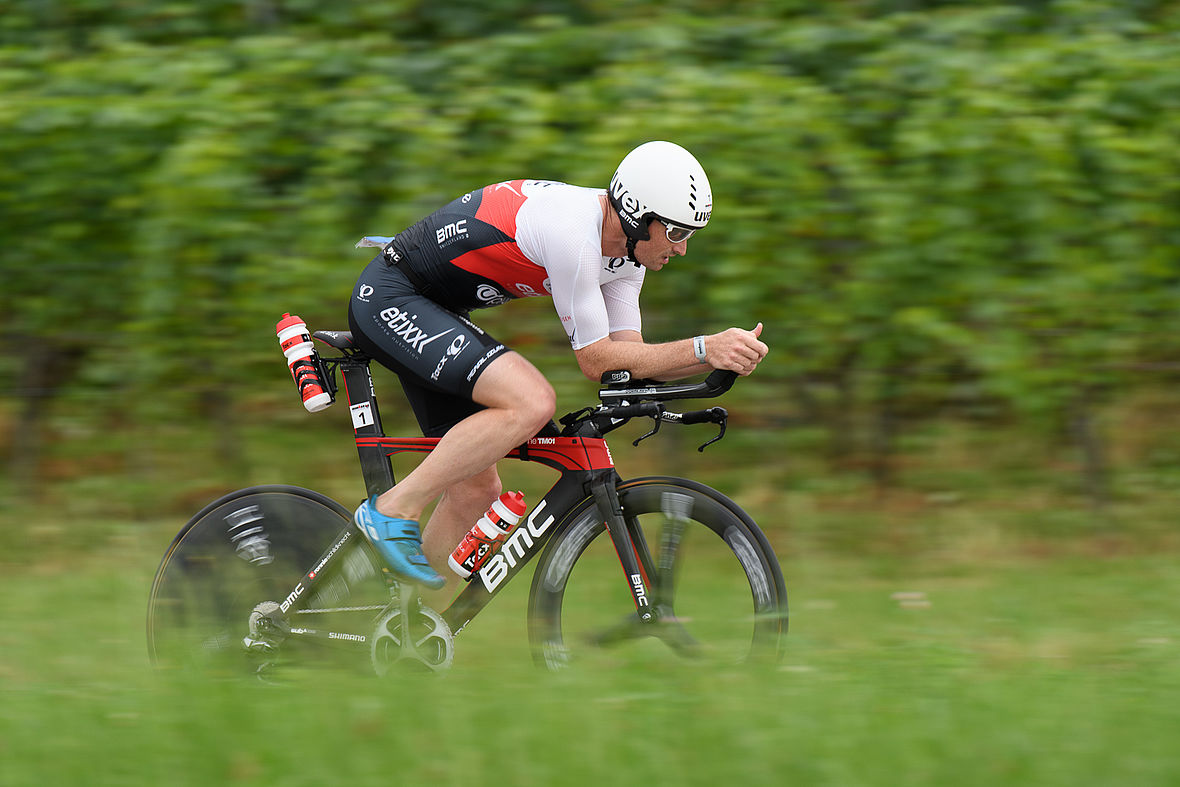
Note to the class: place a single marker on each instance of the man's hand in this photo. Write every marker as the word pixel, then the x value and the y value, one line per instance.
pixel 736 349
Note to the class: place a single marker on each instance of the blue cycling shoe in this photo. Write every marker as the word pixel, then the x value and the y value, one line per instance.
pixel 399 541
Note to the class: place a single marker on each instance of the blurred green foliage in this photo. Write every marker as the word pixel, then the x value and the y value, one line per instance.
pixel 963 208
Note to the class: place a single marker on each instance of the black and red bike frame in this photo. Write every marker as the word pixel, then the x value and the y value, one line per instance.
pixel 583 460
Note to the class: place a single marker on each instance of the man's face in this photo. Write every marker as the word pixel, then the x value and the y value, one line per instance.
pixel 655 252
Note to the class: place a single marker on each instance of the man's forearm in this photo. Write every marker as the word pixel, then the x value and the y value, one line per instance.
pixel 667 361
pixel 736 349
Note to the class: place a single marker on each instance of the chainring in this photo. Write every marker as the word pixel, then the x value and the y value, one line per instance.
pixel 429 643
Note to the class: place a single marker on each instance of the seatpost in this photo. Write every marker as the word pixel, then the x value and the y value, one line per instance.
pixel 376 466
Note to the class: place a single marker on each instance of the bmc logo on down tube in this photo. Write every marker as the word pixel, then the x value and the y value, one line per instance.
pixel 515 549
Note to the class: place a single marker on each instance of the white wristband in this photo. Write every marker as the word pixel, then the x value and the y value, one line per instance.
pixel 698 348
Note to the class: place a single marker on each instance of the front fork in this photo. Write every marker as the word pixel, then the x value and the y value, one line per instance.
pixel 637 570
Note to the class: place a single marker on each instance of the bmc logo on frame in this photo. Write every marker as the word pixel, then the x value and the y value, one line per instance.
pixel 515 549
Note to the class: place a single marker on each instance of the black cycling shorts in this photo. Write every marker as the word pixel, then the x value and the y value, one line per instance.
pixel 436 353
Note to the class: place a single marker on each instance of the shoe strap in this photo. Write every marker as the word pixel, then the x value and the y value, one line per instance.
pixel 403 530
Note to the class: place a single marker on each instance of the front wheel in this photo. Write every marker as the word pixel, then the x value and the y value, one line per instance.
pixel 714 582
pixel 220 598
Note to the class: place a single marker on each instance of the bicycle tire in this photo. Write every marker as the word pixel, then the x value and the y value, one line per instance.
pixel 718 586
pixel 250 548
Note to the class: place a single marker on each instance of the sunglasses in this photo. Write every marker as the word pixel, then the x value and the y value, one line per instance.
pixel 676 234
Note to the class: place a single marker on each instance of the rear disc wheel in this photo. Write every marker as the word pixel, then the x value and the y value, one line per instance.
pixel 219 599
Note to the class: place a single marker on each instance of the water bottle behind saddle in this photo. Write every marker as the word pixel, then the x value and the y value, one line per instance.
pixel 304 363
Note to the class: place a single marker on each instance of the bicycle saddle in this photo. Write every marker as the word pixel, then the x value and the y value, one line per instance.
pixel 341 340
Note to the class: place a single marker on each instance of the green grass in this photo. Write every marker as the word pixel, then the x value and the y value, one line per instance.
pixel 940 667
pixel 976 624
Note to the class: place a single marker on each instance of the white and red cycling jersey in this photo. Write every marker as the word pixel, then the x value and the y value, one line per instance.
pixel 519 239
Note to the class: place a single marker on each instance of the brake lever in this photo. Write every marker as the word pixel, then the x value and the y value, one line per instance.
pixel 721 433
pixel 659 420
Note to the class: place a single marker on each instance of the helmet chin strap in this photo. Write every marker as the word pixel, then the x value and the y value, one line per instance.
pixel 631 251
pixel 631 241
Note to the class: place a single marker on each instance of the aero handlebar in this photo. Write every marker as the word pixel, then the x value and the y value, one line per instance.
pixel 620 388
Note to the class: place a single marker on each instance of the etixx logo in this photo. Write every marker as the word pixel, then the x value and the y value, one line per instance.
pixel 403 326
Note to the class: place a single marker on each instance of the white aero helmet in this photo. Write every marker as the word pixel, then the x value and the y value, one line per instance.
pixel 660 180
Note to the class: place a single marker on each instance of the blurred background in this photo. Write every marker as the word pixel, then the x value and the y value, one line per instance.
pixel 959 221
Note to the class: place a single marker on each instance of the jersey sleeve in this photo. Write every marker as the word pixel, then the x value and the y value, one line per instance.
pixel 621 297
pixel 590 309
pixel 559 228
pixel 579 300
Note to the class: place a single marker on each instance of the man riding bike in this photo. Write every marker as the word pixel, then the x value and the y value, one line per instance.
pixel 586 248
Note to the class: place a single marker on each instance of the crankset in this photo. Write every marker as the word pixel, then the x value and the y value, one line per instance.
pixel 411 634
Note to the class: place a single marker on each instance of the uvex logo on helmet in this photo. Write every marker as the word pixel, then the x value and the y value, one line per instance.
pixel 629 208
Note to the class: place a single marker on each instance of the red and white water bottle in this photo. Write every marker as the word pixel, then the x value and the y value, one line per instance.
pixel 303 361
pixel 492 529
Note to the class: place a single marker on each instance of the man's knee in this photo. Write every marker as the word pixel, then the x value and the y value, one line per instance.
pixel 541 404
pixel 514 384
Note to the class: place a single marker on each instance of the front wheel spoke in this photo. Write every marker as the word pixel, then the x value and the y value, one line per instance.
pixel 626 629
pixel 672 631
pixel 702 604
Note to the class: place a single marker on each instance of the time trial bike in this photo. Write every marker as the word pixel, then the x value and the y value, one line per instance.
pixel 274 575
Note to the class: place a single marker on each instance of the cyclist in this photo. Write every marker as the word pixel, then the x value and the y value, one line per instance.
pixel 589 250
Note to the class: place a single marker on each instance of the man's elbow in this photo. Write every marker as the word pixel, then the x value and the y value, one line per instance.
pixel 594 362
pixel 593 368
